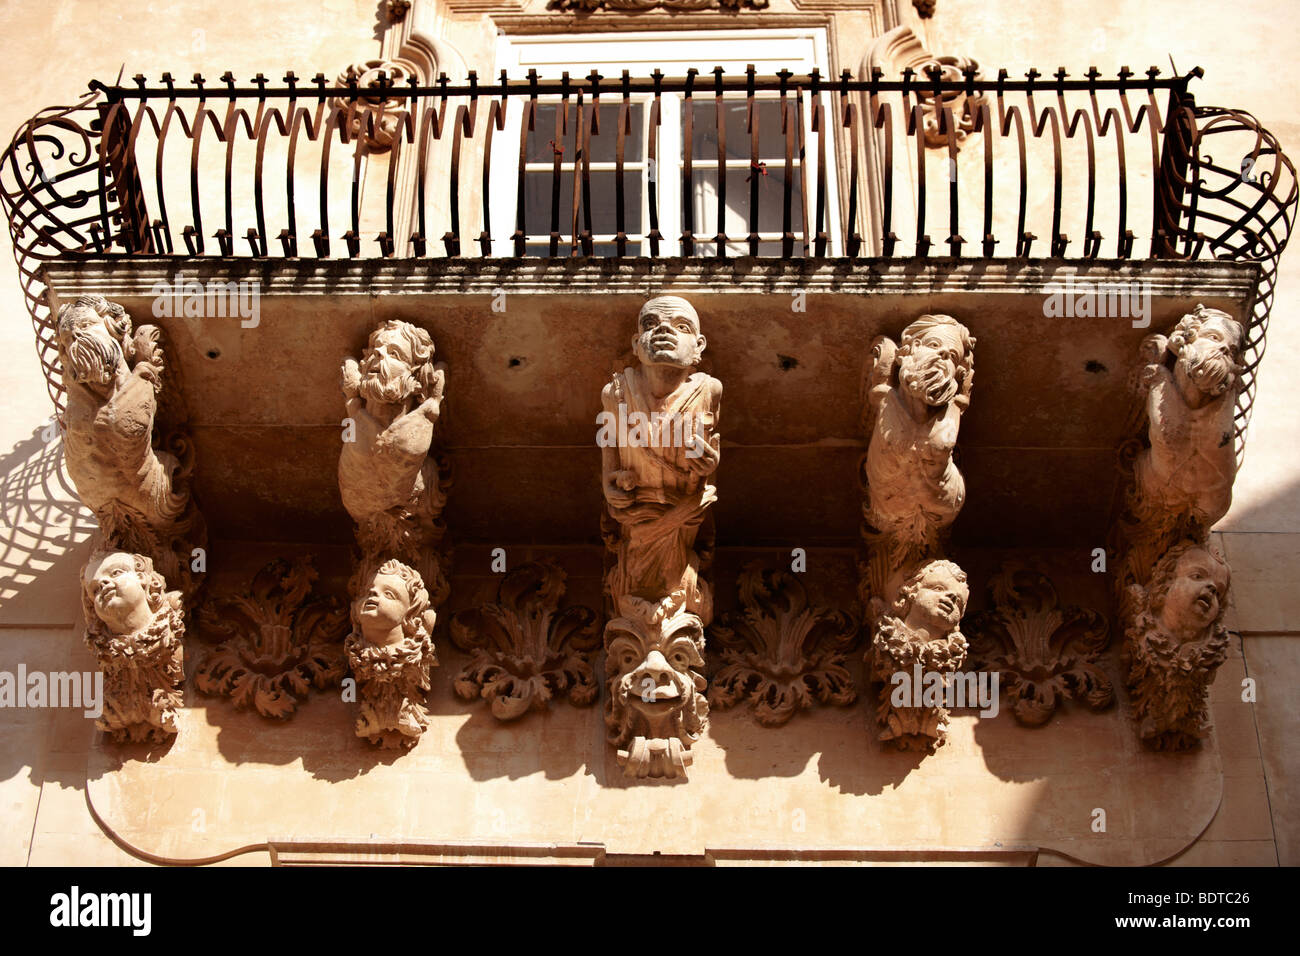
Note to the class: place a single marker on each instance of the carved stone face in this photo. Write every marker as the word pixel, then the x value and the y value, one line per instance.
pixel 655 666
pixel 938 603
pixel 91 352
pixel 1196 594
pixel 929 370
pixel 387 373
pixel 1207 353
pixel 668 333
pixel 117 592
pixel 383 609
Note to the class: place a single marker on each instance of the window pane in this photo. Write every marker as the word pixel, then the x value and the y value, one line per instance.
pixel 537 202
pixel 604 144
pixel 704 133
pixel 771 199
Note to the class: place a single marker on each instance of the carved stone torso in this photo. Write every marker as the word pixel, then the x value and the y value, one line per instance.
pixel 662 468
pixel 1191 463
pixel 910 469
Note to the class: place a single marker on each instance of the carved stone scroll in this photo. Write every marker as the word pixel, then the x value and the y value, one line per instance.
pixel 1045 653
pixel 280 640
pixel 1176 641
pixel 525 649
pixel 780 653
pixel 659 449
pixel 390 483
pixel 124 442
pixel 915 648
pixel 390 652
pixel 135 626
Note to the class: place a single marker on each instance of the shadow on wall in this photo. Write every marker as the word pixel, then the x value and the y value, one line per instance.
pixel 44 535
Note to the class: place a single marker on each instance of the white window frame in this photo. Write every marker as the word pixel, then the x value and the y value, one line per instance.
pixel 673 52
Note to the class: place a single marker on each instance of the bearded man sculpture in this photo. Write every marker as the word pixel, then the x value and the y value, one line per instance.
pixel 1176 641
pixel 913 400
pixel 657 490
pixel 388 480
pixel 130 468
pixel 919 634
pixel 390 651
pixel 135 626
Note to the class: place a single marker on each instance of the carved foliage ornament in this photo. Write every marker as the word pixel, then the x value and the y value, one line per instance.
pixel 780 653
pixel 1045 653
pixel 376 117
pixel 135 627
pixel 390 652
pixel 525 649
pixel 280 641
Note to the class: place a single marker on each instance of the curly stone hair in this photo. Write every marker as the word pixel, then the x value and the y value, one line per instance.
pixel 419 343
pixel 912 586
pixel 1162 577
pixel 115 318
pixel 155 585
pixel 1189 326
pixel 417 623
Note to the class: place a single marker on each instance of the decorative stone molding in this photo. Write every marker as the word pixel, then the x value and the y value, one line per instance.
pixel 1176 641
pixel 1045 653
pixel 917 637
pixel 590 6
pixel 376 117
pixel 655 707
pixel 900 50
pixel 525 650
pixel 779 653
pixel 390 483
pixel 126 450
pixel 1184 463
pixel 280 640
pixel 659 448
pixel 913 397
pixel 390 652
pixel 135 627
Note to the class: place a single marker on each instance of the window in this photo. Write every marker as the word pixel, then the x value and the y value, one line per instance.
pixel 683 122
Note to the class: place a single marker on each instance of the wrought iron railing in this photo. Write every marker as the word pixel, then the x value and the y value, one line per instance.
pixel 97 179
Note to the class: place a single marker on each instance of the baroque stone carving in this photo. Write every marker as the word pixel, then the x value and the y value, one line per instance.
pixel 659 450
pixel 280 640
pixel 924 8
pixel 525 649
pixel 964 106
pixel 126 451
pixel 389 481
pixel 913 399
pixel 590 6
pixel 1183 473
pixel 391 652
pixel 135 627
pixel 1045 653
pixel 780 653
pixel 1176 641
pixel 919 634
pixel 655 703
pixel 377 116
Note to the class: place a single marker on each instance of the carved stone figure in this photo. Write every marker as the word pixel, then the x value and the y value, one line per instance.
pixel 655 707
pixel 135 627
pixel 913 400
pixel 387 479
pixel 280 640
pixel 1182 477
pixel 1045 653
pixel 1175 643
pixel 656 475
pixel 780 653
pixel 659 448
pixel 525 649
pixel 919 635
pixel 131 470
pixel 390 651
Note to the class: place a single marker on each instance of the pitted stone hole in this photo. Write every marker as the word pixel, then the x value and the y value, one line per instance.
pixel 214 353
pixel 1092 365
pixel 517 362
pixel 786 362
